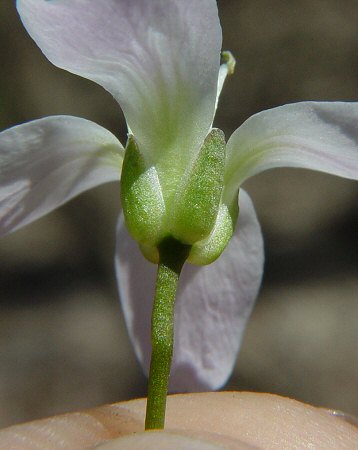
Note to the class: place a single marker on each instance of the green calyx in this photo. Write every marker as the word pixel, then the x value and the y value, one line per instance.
pixel 195 214
pixel 208 250
pixel 228 59
pixel 197 200
pixel 141 197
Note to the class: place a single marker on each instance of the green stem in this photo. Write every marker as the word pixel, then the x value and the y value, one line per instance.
pixel 172 255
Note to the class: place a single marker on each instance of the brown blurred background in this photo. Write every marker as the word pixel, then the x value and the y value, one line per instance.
pixel 63 344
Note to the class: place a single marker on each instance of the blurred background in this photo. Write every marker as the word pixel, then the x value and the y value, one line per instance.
pixel 63 343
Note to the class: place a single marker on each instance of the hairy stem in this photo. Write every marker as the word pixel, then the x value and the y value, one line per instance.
pixel 172 255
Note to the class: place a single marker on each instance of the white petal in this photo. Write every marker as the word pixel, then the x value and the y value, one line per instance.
pixel 159 59
pixel 314 135
pixel 212 308
pixel 46 162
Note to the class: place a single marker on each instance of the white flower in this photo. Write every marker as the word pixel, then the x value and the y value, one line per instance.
pixel 160 59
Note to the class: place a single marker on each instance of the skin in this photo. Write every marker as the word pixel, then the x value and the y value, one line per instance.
pixel 208 421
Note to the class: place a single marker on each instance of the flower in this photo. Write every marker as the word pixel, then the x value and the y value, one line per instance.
pixel 160 59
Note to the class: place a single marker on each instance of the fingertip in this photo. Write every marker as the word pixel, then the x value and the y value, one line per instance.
pixel 173 440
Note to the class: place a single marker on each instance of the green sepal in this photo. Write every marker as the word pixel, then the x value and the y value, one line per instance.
pixel 209 249
pixel 228 59
pixel 196 203
pixel 141 197
pixel 150 252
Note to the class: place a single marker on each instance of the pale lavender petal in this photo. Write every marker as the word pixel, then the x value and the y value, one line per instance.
pixel 159 59
pixel 47 162
pixel 213 305
pixel 321 136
